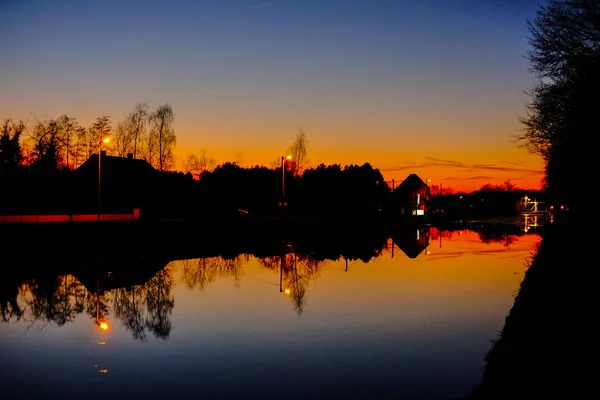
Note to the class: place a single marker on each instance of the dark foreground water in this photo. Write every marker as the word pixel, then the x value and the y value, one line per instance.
pixel 413 321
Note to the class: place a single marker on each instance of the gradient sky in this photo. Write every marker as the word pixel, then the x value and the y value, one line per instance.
pixel 433 87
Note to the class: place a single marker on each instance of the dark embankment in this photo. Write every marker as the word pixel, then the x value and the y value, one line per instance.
pixel 546 349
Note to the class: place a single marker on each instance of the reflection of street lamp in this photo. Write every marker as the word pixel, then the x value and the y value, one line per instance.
pixel 104 140
pixel 283 158
pixel 102 324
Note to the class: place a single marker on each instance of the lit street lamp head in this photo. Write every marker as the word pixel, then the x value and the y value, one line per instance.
pixel 106 140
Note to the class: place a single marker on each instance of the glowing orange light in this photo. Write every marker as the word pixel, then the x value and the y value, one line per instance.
pixel 106 140
pixel 288 157
pixel 103 371
pixel 103 325
pixel 287 291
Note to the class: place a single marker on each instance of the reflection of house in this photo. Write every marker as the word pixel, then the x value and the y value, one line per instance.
pixel 123 274
pixel 411 197
pixel 125 183
pixel 412 241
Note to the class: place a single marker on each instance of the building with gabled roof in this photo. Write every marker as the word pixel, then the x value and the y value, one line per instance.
pixel 411 197
pixel 125 183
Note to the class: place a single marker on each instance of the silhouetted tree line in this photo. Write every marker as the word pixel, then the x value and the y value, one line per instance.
pixel 44 178
pixel 324 190
pixel 220 193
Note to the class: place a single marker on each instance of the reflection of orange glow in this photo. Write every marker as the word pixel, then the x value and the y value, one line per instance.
pixel 103 371
pixel 287 291
pixel 101 342
pixel 103 325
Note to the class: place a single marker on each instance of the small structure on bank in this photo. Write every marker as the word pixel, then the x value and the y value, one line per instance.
pixel 411 197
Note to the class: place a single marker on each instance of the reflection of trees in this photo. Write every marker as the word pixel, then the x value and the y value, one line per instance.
pixel 57 299
pixel 61 299
pixel 129 308
pixel 9 306
pixel 497 237
pixel 201 272
pixel 296 272
pixel 160 303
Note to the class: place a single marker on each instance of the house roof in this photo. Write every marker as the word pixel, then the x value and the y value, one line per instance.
pixel 113 165
pixel 411 182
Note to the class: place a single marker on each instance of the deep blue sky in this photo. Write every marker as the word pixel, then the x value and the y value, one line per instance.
pixel 404 85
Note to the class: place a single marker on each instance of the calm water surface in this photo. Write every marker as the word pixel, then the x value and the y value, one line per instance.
pixel 289 327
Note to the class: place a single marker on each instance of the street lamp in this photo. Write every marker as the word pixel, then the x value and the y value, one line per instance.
pixel 283 158
pixel 104 140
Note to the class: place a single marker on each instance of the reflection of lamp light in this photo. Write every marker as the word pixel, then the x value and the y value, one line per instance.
pixel 104 140
pixel 101 323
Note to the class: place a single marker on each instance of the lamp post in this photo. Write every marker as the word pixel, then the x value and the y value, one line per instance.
pixel 104 140
pixel 283 158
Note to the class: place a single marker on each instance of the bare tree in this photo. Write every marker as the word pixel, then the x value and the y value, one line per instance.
pixel 562 112
pixel 124 137
pixel 299 153
pixel 197 164
pixel 97 132
pixel 69 127
pixel 80 147
pixel 48 146
pixel 138 120
pixel 162 136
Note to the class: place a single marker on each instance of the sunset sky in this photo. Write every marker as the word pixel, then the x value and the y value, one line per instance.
pixel 433 87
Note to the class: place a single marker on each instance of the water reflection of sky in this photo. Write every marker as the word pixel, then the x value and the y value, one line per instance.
pixel 212 328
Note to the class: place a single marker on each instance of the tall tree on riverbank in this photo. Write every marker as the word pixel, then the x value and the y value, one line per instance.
pixel 47 153
pixel 298 151
pixel 138 120
pixel 124 138
pixel 131 131
pixel 565 56
pixel 161 139
pixel 10 146
pixel 99 130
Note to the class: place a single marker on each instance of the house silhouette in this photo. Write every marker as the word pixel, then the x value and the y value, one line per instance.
pixel 125 183
pixel 412 196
